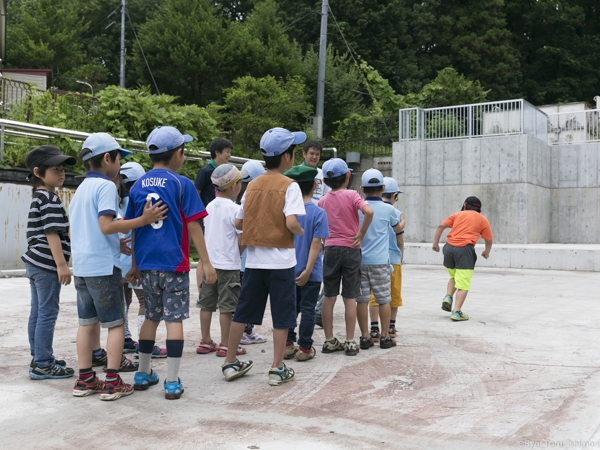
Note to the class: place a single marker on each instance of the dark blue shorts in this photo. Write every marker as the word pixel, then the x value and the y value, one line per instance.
pixel 258 284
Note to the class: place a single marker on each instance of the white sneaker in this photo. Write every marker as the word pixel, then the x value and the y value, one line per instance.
pixel 252 338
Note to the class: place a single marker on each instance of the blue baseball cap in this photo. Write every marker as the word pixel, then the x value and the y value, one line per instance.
pixel 277 140
pixel 100 143
pixel 391 186
pixel 372 178
pixel 131 171
pixel 251 169
pixel 166 139
pixel 335 167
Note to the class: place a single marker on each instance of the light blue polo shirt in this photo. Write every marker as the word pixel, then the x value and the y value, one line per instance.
pixel 395 253
pixel 375 245
pixel 94 254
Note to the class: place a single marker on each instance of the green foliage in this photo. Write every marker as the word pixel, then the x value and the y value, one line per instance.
pixel 253 105
pixel 449 88
pixel 344 87
pixel 44 34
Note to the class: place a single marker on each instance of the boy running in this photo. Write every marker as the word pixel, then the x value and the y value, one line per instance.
pixel 161 252
pixel 468 225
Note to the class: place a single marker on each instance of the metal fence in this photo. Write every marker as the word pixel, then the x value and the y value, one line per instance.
pixel 474 120
pixel 574 127
pixel 13 92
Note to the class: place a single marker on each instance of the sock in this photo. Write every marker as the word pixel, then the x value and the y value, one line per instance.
pixel 392 323
pixel 330 339
pixel 97 352
pixel 86 374
pixel 375 326
pixel 112 376
pixel 174 352
pixel 145 354
pixel 248 329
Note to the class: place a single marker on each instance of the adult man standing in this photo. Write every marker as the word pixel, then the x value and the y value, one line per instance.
pixel 312 154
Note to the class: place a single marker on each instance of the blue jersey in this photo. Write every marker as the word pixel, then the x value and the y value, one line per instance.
pixel 164 245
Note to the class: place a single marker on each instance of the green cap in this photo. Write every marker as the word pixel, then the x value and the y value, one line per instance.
pixel 302 173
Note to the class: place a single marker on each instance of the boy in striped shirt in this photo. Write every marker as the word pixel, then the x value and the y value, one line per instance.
pixel 48 251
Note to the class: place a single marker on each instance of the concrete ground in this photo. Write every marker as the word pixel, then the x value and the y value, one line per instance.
pixel 524 372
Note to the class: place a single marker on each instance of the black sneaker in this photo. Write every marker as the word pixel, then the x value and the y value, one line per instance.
pixel 58 362
pixel 366 343
pixel 127 365
pixel 387 342
pixel 99 360
pixel 49 373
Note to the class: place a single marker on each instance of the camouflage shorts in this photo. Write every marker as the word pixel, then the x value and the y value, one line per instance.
pixel 166 295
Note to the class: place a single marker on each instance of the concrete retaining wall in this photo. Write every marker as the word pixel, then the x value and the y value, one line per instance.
pixel 531 192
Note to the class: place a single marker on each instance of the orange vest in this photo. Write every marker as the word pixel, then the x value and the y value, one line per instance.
pixel 264 221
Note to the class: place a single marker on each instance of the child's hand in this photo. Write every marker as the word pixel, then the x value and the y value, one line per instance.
pixel 485 254
pixel 303 278
pixel 154 213
pixel 358 239
pixel 125 249
pixel 64 274
pixel 435 247
pixel 133 276
pixel 210 274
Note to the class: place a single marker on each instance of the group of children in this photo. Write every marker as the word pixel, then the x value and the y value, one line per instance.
pixel 289 244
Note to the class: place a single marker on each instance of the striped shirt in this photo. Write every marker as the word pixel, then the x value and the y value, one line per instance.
pixel 46 215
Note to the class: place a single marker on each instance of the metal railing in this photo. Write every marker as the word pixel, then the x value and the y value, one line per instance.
pixel 13 92
pixel 44 133
pixel 574 127
pixel 474 120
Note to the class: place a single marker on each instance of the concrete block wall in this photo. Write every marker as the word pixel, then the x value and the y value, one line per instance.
pixel 531 192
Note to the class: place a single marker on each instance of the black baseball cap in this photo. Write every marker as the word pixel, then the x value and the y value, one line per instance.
pixel 47 155
pixel 472 201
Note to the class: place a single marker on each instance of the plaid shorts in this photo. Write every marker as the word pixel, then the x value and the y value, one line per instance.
pixel 166 295
pixel 375 278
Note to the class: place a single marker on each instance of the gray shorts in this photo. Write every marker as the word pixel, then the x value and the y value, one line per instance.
pixel 341 264
pixel 166 295
pixel 224 293
pixel 375 278
pixel 459 257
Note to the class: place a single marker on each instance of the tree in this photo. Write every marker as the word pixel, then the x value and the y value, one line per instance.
pixel 559 44
pixel 44 34
pixel 254 105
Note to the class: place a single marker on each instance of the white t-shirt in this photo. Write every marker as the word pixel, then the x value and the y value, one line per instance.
pixel 220 234
pixel 276 258
pixel 321 188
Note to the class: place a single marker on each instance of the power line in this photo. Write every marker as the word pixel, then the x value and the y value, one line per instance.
pixel 143 55
pixel 99 23
pixel 301 18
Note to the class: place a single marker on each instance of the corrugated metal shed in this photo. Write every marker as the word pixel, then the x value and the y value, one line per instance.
pixel 14 209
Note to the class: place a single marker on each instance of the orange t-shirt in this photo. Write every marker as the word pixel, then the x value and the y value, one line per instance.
pixel 467 226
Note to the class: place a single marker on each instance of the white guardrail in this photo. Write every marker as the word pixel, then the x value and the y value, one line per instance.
pixel 42 133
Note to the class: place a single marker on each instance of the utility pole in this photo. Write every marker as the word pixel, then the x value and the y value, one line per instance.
pixel 122 73
pixel 318 122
